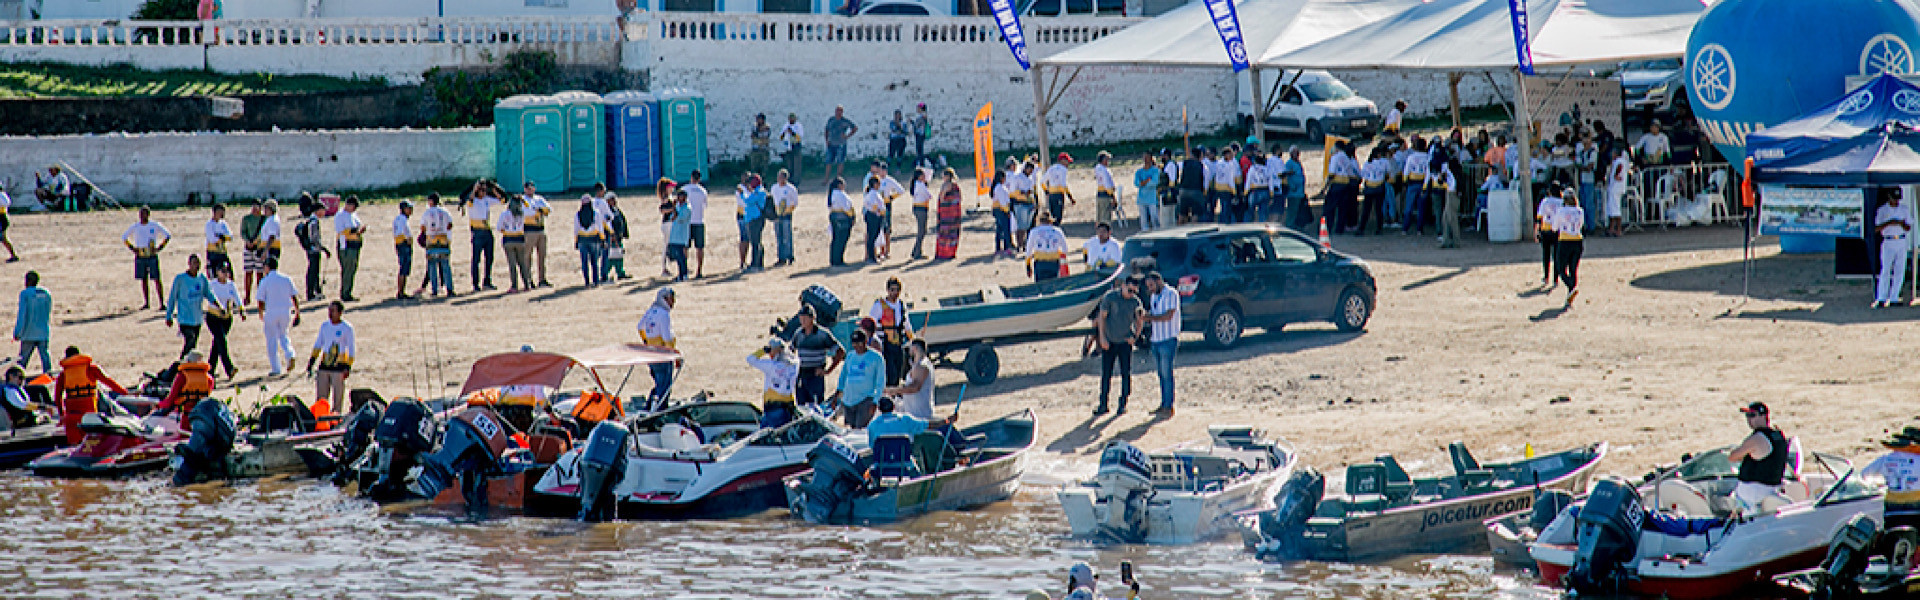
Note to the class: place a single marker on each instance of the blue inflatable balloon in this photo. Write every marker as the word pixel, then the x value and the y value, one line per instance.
pixel 1756 63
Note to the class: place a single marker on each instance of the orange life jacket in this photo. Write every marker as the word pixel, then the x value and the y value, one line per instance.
pixel 595 407
pixel 79 392
pixel 197 383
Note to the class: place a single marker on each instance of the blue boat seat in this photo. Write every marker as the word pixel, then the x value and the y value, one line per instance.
pixel 893 458
pixel 1366 487
pixel 1399 485
pixel 1473 479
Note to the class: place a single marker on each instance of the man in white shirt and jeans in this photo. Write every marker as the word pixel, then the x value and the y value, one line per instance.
pixel 1163 317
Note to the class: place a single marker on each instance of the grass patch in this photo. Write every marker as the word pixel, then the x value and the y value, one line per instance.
pixel 52 80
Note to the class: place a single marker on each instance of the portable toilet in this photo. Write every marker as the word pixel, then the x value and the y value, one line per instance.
pixel 633 139
pixel 530 140
pixel 586 138
pixel 683 132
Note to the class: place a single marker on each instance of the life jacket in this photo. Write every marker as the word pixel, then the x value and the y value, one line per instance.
pixel 79 392
pixel 595 407
pixel 890 325
pixel 196 384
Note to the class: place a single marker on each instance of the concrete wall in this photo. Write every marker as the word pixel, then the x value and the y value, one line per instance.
pixel 807 65
pixel 162 168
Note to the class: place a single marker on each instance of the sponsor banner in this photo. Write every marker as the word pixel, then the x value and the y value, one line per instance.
pixel 1524 49
pixel 1008 20
pixel 983 149
pixel 1226 20
pixel 1789 210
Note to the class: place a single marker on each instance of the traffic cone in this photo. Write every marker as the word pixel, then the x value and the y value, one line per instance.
pixel 1325 240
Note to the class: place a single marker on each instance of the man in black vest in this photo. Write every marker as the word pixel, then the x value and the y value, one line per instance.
pixel 1762 459
pixel 1192 185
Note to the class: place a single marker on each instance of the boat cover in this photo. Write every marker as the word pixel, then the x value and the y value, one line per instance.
pixel 549 369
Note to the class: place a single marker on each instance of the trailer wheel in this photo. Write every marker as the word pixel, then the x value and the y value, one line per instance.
pixel 982 364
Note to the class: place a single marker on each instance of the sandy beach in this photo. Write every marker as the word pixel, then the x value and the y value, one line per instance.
pixel 1655 356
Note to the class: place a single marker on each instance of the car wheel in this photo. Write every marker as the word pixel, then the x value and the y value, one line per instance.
pixel 1353 311
pixel 1224 326
pixel 1315 133
pixel 982 364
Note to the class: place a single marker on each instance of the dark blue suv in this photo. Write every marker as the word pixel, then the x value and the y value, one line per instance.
pixel 1254 275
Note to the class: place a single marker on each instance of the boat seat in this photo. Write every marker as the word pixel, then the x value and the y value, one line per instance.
pixel 893 457
pixel 291 416
pixel 1399 484
pixel 993 294
pixel 675 437
pixel 1366 487
pixel 547 448
pixel 1473 479
pixel 932 452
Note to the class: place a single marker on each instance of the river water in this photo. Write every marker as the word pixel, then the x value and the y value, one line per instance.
pixel 298 538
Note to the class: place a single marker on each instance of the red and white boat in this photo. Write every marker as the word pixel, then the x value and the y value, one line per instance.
pixel 1693 542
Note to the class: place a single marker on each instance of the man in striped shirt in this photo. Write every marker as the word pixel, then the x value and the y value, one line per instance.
pixel 1163 316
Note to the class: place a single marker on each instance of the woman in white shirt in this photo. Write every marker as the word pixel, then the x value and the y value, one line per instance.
pixel 840 214
pixel 224 305
pixel 874 208
pixel 1544 232
pixel 922 204
pixel 1567 221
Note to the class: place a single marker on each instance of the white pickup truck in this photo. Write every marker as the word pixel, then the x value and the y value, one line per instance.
pixel 1311 103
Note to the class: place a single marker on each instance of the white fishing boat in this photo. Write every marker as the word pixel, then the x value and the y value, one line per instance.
pixel 1180 495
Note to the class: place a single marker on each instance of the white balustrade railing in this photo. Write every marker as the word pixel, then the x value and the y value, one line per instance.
pixel 674 27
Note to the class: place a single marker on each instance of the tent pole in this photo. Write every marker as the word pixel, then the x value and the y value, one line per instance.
pixel 1453 96
pixel 1259 109
pixel 1524 135
pixel 1040 116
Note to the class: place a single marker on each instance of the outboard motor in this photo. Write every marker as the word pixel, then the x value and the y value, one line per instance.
pixel 475 444
pixel 1847 557
pixel 406 429
pixel 211 431
pixel 1285 525
pixel 603 462
pixel 1125 486
pixel 1608 532
pixel 839 473
pixel 335 462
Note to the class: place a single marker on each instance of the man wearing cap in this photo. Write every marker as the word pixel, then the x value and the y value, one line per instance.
pixel 1901 469
pixel 1762 459
pixel 791 134
pixel 782 372
pixel 1055 184
pixel 403 246
pixel 656 329
pixel 819 353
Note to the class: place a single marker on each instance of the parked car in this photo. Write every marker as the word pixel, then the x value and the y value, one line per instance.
pixel 1652 88
pixel 1311 103
pixel 1231 277
pixel 901 8
pixel 1051 8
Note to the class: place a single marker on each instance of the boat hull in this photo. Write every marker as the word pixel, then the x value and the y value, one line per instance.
pixel 1070 303
pixel 1010 439
pixel 20 446
pixel 1180 517
pixel 260 456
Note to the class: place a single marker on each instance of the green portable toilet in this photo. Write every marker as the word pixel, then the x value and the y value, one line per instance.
pixel 530 143
pixel 586 138
pixel 683 132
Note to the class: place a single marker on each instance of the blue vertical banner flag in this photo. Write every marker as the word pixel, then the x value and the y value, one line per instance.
pixel 1521 46
pixel 1226 20
pixel 1009 23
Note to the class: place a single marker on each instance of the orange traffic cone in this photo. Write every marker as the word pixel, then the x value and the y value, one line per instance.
pixel 1325 240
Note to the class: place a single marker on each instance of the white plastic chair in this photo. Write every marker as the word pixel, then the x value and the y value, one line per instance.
pixel 1719 196
pixel 1666 194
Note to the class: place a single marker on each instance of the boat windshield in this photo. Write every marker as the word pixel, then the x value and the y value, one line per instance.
pixel 1708 465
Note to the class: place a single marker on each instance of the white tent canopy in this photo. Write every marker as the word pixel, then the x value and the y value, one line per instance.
pixel 1477 35
pixel 1185 37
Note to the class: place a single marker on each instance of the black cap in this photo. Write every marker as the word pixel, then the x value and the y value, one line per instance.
pixel 1757 408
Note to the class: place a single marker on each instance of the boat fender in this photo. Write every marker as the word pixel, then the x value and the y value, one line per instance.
pixel 602 463
pixel 212 433
pixel 1608 534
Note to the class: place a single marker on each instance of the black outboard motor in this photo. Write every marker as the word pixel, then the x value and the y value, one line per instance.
pixel 1847 557
pixel 1285 525
pixel 603 462
pixel 475 443
pixel 1608 532
pixel 839 474
pixel 406 429
pixel 336 462
pixel 212 432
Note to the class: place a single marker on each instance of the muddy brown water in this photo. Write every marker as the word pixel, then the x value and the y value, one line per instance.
pixel 296 538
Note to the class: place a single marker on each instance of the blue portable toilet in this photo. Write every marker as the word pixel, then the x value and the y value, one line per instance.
pixel 530 143
pixel 633 139
pixel 683 132
pixel 586 138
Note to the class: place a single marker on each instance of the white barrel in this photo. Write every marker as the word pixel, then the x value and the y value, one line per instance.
pixel 1504 217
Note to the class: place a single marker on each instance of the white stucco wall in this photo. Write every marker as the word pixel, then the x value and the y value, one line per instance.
pixel 162 168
